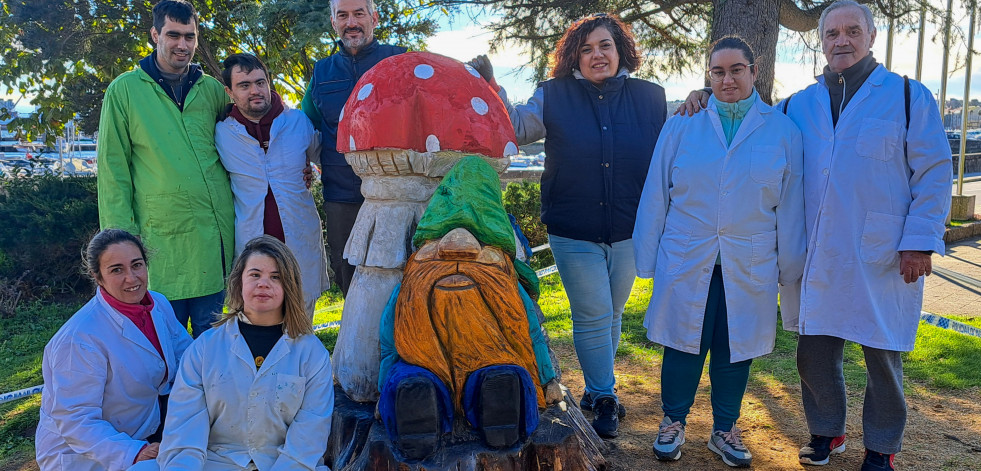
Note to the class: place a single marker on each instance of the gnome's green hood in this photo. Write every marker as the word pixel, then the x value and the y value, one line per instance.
pixel 470 197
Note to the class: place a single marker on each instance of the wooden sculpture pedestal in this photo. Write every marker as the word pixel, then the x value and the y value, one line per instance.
pixel 564 440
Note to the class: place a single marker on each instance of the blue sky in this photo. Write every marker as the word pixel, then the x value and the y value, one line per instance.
pixel 461 39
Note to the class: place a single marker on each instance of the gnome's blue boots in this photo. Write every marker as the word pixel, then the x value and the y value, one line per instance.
pixel 500 409
pixel 417 417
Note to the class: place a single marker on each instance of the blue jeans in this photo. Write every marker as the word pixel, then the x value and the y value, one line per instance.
pixel 202 311
pixel 597 279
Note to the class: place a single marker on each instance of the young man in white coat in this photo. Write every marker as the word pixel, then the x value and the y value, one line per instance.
pixel 876 195
pixel 265 146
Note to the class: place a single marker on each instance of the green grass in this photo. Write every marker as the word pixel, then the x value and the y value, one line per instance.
pixel 329 309
pixel 943 360
pixel 21 348
pixel 959 223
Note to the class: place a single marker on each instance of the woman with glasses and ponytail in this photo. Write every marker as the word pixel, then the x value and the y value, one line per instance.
pixel 720 224
pixel 600 126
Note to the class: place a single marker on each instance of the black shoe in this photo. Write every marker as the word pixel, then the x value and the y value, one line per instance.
pixel 417 417
pixel 586 403
pixel 605 418
pixel 875 461
pixel 819 450
pixel 500 409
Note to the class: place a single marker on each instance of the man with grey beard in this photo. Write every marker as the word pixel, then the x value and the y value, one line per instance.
pixel 333 80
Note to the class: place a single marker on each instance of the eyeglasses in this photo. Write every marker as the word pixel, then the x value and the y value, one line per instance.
pixel 719 74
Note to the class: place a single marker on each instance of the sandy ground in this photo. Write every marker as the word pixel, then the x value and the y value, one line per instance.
pixel 942 433
pixel 943 430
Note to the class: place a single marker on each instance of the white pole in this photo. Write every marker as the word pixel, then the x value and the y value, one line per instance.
pixel 943 74
pixel 919 47
pixel 965 110
pixel 892 32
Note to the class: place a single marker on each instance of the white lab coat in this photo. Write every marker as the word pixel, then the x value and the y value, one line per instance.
pixel 253 172
pixel 703 199
pixel 224 414
pixel 865 202
pixel 102 378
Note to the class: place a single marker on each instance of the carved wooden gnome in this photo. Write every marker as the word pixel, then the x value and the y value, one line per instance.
pixel 460 336
pixel 410 119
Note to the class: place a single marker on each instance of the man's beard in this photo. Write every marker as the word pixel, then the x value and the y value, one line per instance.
pixel 258 110
pixel 356 43
pixel 454 331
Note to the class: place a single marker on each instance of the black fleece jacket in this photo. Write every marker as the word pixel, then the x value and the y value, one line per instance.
pixel 842 86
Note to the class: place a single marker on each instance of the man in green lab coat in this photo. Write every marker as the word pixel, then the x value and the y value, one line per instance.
pixel 159 175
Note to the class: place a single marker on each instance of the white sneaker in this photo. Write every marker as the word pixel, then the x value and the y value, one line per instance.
pixel 670 437
pixel 729 445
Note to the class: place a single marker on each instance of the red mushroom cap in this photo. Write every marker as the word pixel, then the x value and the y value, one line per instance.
pixel 427 103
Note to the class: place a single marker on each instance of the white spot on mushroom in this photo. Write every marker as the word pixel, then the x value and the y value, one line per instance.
pixel 365 91
pixel 432 143
pixel 480 106
pixel 510 149
pixel 341 117
pixel 472 71
pixel 423 71
pixel 351 140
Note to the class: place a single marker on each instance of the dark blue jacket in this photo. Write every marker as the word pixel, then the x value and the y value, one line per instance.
pixel 333 80
pixel 599 144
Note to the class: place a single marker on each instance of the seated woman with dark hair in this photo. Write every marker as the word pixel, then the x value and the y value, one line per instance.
pixel 109 368
pixel 256 391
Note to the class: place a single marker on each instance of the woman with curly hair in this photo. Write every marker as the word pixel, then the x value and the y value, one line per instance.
pixel 600 126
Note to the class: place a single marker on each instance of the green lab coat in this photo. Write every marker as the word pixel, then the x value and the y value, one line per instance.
pixel 160 178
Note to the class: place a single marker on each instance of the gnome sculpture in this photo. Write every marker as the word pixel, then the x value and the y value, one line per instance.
pixel 460 336
pixel 466 377
pixel 410 119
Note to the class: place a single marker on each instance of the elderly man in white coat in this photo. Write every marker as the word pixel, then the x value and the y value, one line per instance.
pixel 265 146
pixel 877 172
pixel 877 190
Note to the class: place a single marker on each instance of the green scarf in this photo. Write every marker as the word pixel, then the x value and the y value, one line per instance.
pixel 732 114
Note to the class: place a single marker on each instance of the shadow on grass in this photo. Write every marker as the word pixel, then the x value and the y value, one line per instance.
pixel 947 363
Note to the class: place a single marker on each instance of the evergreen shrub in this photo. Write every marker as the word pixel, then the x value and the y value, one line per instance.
pixel 45 221
pixel 523 200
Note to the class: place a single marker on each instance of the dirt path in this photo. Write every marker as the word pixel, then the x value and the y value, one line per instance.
pixel 774 428
pixel 773 425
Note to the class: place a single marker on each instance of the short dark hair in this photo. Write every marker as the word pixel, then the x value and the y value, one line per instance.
pixel 733 42
pixel 566 55
pixel 246 62
pixel 177 10
pixel 100 243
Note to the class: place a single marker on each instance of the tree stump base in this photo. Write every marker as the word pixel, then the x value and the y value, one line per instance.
pixel 564 440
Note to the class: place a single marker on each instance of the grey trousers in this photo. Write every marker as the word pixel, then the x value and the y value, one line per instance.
pixel 340 221
pixel 822 381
